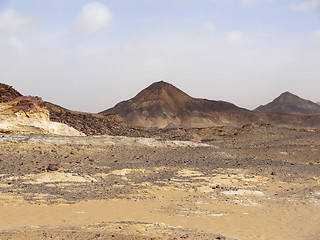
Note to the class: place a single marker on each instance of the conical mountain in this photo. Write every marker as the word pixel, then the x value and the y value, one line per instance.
pixel 163 105
pixel 288 103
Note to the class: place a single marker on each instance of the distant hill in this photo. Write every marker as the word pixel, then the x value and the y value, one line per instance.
pixel 288 103
pixel 163 105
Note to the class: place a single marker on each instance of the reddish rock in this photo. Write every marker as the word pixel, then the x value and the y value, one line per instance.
pixel 8 93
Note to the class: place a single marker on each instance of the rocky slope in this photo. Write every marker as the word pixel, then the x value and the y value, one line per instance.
pixel 44 113
pixel 8 93
pixel 99 124
pixel 288 103
pixel 27 115
pixel 88 123
pixel 161 105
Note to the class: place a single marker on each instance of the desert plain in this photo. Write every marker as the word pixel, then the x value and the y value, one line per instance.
pixel 250 182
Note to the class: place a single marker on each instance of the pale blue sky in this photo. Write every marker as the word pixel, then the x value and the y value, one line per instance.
pixel 89 55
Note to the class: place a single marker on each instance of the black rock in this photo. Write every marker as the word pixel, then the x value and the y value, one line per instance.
pixel 53 167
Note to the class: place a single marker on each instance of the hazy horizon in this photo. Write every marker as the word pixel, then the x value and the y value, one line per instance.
pixel 90 55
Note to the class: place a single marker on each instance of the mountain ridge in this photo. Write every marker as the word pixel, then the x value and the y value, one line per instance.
pixel 162 105
pixel 288 103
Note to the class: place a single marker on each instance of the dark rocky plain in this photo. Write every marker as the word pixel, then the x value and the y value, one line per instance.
pixel 280 163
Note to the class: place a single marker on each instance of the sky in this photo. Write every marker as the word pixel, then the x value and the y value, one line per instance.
pixel 89 55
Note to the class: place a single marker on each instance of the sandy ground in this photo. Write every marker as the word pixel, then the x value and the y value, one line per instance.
pixel 260 183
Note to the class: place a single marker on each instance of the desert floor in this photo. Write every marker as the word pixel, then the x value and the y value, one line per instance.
pixel 256 182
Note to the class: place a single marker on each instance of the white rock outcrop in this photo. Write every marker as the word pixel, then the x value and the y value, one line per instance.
pixel 27 115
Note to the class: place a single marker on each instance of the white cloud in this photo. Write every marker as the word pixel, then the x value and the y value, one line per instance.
pixel 306 5
pixel 16 44
pixel 235 38
pixel 94 17
pixel 315 36
pixel 242 2
pixel 251 2
pixel 238 38
pixel 209 26
pixel 12 21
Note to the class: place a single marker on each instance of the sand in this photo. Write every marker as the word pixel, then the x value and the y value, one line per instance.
pixel 229 188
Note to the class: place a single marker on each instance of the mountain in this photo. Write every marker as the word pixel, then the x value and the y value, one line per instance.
pixel 163 105
pixel 288 103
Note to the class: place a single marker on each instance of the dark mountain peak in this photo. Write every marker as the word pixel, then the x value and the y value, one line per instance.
pixel 8 93
pixel 287 93
pixel 288 103
pixel 162 91
pixel 159 85
pixel 288 97
pixel 161 104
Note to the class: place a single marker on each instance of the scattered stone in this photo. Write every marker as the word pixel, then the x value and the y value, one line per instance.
pixel 184 236
pixel 53 167
pixel 221 238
